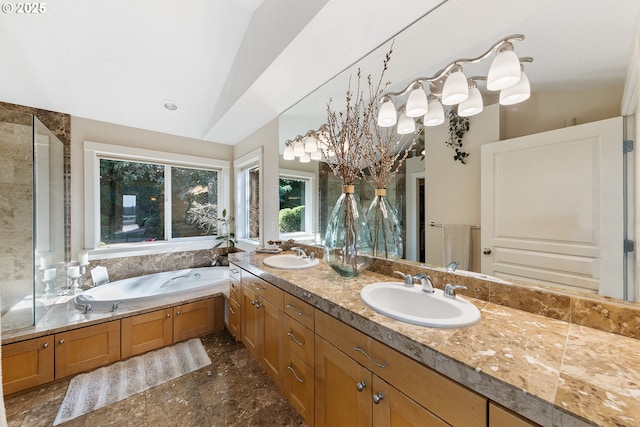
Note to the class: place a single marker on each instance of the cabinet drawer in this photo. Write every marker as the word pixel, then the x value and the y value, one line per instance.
pixel 449 400
pixel 234 272
pixel 298 340
pixel 234 318
pixel 299 310
pixel 266 290
pixel 234 291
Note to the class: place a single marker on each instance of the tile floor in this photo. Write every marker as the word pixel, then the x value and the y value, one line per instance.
pixel 233 391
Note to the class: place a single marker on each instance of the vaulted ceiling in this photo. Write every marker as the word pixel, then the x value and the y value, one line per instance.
pixel 231 66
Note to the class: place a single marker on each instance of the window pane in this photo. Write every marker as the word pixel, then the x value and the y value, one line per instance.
pixel 194 202
pixel 131 202
pixel 292 210
pixel 254 204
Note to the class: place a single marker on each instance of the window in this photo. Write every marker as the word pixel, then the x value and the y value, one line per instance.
pixel 134 196
pixel 297 205
pixel 248 193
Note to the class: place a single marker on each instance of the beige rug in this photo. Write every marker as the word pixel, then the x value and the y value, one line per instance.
pixel 104 386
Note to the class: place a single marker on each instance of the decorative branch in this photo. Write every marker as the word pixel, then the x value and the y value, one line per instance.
pixel 458 127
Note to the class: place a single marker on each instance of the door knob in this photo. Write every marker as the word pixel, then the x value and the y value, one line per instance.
pixel 486 251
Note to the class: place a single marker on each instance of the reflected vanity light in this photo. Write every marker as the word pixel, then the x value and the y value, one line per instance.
pixel 450 87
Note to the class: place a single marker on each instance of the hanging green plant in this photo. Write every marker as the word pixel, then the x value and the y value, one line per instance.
pixel 458 127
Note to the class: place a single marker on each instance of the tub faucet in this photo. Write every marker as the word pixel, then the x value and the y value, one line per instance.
pixel 452 266
pixel 214 260
pixel 425 281
pixel 85 307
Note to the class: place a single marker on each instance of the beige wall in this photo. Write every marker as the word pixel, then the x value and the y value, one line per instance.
pixel 108 133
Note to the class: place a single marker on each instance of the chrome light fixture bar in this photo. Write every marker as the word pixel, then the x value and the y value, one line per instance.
pixel 450 87
pixel 305 147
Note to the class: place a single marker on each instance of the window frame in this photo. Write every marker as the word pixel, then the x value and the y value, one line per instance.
pixel 94 151
pixel 310 228
pixel 241 166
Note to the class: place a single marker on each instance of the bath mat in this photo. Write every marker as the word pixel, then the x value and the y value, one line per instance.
pixel 110 384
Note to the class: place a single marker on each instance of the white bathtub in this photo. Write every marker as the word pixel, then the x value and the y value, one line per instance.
pixel 145 289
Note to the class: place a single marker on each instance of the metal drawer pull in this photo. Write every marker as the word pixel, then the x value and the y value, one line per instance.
pixel 294 309
pixel 361 385
pixel 61 341
pixel 45 345
pixel 258 287
pixel 378 364
pixel 233 288
pixel 290 367
pixel 235 270
pixel 232 310
pixel 256 303
pixel 168 315
pixel 377 397
pixel 293 337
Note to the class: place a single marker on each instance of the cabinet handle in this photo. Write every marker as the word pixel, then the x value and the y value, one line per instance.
pixel 45 345
pixel 256 303
pixel 232 310
pixel 258 287
pixel 178 313
pixel 233 288
pixel 168 315
pixel 235 270
pixel 361 385
pixel 61 341
pixel 378 364
pixel 290 367
pixel 377 397
pixel 294 309
pixel 293 337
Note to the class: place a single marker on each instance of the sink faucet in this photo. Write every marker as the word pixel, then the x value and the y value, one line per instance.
pixel 452 266
pixel 408 280
pixel 450 290
pixel 299 252
pixel 427 286
pixel 213 260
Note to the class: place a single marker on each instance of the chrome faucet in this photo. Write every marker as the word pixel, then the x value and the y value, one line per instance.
pixel 408 280
pixel 213 260
pixel 452 266
pixel 300 252
pixel 425 281
pixel 450 290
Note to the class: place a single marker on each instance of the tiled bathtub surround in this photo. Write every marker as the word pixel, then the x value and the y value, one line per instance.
pixel 548 368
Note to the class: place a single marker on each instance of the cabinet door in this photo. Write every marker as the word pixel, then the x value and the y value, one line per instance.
pixel 502 417
pixel 234 318
pixel 298 340
pixel 27 364
pixel 271 348
pixel 298 386
pixel 235 290
pixel 394 409
pixel 198 318
pixel 251 325
pixel 342 389
pixel 87 348
pixel 146 332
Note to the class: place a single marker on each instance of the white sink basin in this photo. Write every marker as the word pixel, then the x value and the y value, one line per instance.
pixel 290 262
pixel 411 305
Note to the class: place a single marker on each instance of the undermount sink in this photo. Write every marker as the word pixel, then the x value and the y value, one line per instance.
pixel 290 262
pixel 411 305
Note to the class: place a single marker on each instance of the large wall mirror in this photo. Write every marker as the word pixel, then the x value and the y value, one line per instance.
pixel 577 77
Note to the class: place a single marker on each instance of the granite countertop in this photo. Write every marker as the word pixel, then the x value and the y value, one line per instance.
pixel 554 372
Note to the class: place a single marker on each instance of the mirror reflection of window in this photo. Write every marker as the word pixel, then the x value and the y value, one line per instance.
pixel 297 206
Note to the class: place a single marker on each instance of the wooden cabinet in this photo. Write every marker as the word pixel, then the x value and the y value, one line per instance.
pixel 233 313
pixel 146 332
pixel 87 348
pixel 502 417
pixel 27 364
pixel 262 323
pixel 446 399
pixel 198 318
pixel 299 356
pixel 234 302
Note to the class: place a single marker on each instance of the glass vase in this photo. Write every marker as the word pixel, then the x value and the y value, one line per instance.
pixel 347 244
pixel 386 234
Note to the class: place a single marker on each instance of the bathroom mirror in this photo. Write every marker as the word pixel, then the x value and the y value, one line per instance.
pixel 555 36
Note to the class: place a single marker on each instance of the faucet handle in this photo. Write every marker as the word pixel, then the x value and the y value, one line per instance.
pixel 450 290
pixel 408 280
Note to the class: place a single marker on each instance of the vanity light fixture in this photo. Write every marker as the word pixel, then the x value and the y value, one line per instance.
pixel 450 87
pixel 305 148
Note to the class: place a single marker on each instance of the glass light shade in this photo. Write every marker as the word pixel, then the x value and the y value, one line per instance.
pixel 456 89
pixel 472 105
pixel 316 155
pixel 288 153
pixel 298 148
pixel 435 114
pixel 416 103
pixel 387 115
pixel 518 93
pixel 305 158
pixel 311 144
pixel 406 124
pixel 504 71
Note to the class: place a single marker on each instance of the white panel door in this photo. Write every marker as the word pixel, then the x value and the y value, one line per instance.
pixel 552 208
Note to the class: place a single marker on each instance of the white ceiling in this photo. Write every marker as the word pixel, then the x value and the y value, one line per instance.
pixel 234 65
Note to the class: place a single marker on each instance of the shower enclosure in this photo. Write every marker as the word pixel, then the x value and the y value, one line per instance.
pixel 32 219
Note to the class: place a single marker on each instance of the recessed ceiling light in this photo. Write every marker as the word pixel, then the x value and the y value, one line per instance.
pixel 170 105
